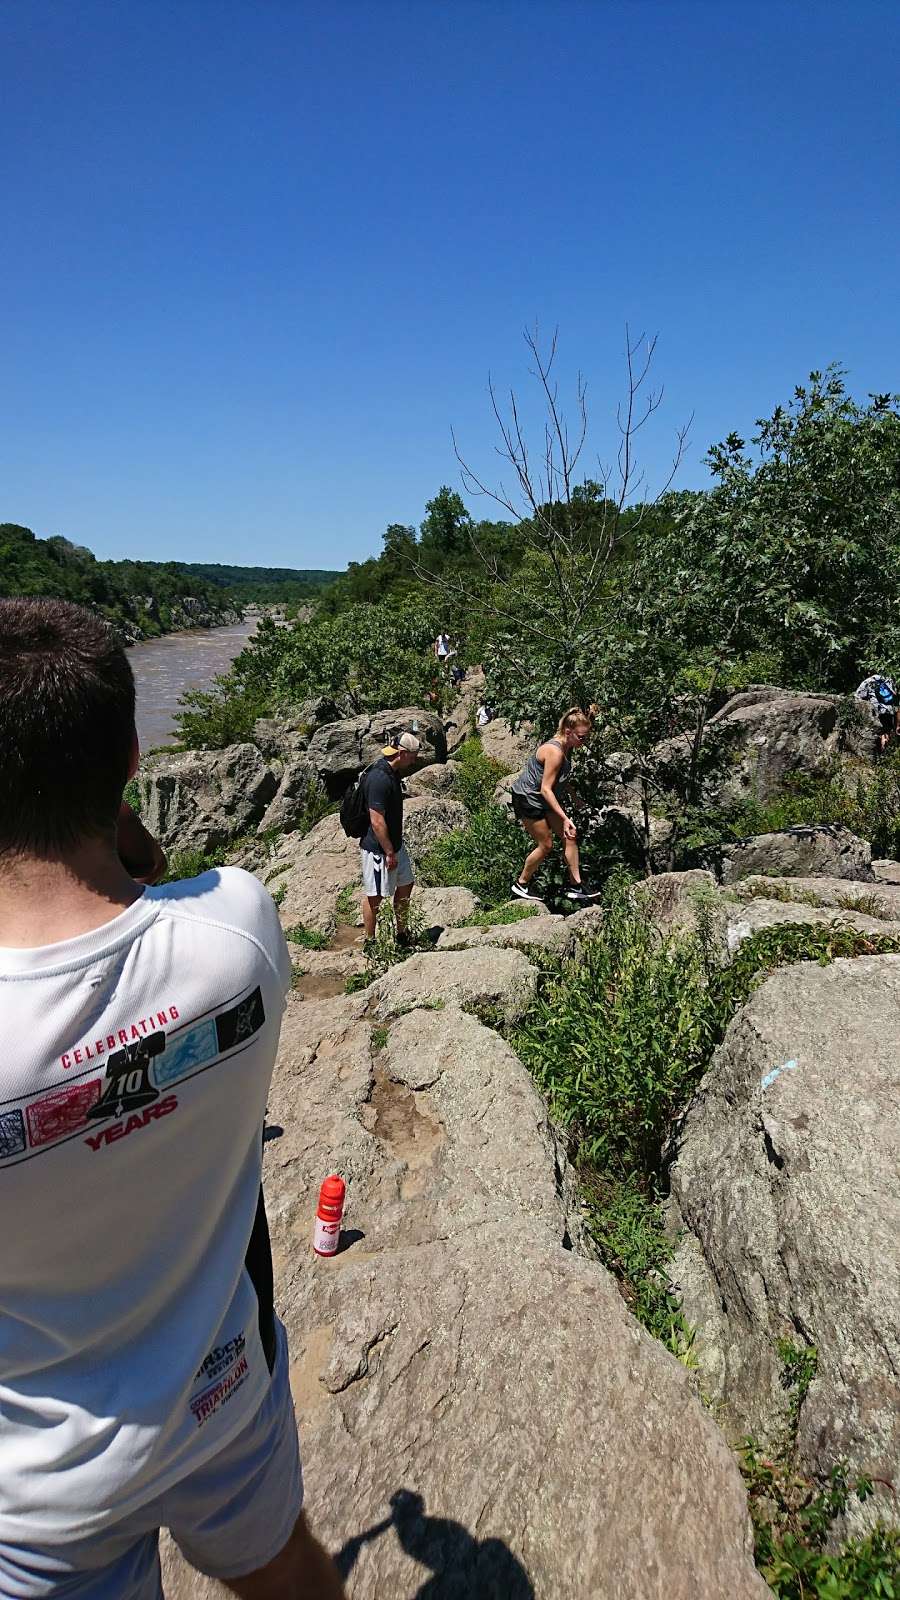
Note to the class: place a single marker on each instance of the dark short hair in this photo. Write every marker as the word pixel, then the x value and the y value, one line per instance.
pixel 66 726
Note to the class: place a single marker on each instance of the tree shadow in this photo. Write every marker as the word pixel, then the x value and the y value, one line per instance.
pixel 462 1567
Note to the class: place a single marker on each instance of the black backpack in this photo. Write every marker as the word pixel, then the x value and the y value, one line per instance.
pixel 354 811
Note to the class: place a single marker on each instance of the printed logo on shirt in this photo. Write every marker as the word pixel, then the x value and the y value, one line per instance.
pixel 132 1086
pixel 226 1365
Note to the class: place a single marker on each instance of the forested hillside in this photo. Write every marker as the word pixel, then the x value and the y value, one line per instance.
pixel 265 585
pixel 143 598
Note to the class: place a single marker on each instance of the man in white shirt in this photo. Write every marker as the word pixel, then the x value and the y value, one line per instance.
pixel 143 1373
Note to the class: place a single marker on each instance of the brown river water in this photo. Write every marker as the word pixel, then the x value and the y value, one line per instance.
pixel 164 668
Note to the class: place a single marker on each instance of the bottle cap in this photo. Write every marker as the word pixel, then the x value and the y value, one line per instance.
pixel 331 1195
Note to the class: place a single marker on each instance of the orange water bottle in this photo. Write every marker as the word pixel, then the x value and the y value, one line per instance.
pixel 329 1211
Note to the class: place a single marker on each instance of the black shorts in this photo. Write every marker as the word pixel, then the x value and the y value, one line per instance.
pixel 887 718
pixel 527 810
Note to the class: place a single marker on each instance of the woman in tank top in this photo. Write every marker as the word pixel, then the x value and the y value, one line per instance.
pixel 538 796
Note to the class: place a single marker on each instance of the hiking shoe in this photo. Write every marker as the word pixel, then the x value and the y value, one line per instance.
pixel 368 947
pixel 403 939
pixel 524 891
pixel 582 893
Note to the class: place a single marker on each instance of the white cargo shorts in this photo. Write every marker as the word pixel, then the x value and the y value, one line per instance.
pixel 376 878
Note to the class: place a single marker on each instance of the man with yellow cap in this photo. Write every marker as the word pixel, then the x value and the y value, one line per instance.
pixel 387 869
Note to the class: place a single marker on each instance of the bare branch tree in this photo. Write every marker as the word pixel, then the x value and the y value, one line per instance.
pixel 575 527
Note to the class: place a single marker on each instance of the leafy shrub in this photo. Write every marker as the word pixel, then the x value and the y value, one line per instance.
pixel 620 1035
pixel 477 775
pixel 484 856
pixel 868 806
pixel 213 718
pixel 617 1037
pixel 190 864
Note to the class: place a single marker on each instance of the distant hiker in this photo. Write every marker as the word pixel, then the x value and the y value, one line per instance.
pixel 879 693
pixel 386 866
pixel 536 796
pixel 443 649
pixel 483 716
pixel 144 1376
pixel 457 674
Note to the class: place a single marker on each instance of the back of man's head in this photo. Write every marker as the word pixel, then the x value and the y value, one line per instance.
pixel 66 726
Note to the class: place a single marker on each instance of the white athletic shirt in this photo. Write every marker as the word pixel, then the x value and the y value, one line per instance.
pixel 133 1080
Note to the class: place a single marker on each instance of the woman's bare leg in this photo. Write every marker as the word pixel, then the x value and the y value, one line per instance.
pixel 543 844
pixel 570 850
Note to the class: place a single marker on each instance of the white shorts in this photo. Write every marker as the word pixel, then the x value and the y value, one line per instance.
pixel 230 1517
pixel 376 878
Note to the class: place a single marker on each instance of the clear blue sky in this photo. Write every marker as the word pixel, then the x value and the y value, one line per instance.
pixel 259 256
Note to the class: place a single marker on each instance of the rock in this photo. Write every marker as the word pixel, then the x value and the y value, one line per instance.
pixel 501 981
pixel 422 1459
pixel 834 852
pixel 290 730
pixel 785 1174
pixel 339 750
pixel 444 908
pixel 313 869
pixel 435 780
pixel 297 786
pixel 674 899
pixel 458 722
pixel 878 899
pixel 762 738
pixel 511 749
pixel 887 871
pixel 427 819
pixel 751 918
pixel 543 933
pixel 202 799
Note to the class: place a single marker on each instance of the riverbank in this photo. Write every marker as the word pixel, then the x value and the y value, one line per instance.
pixel 166 667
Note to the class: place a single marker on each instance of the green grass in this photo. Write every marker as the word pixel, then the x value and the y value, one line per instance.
pixel 485 856
pixel 477 775
pixel 500 916
pixel 346 907
pixel 794 1518
pixel 617 1038
pixel 307 938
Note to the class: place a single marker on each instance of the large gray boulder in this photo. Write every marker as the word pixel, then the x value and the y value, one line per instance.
pixel 480 1417
pixel 339 750
pixel 761 739
pixel 501 982
pixel 203 799
pixel 288 731
pixel 785 1177
pixel 298 786
pixel 459 719
pixel 510 749
pixel 742 921
pixel 427 818
pixel 435 780
pixel 802 852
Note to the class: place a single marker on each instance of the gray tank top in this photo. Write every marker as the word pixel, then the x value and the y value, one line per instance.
pixel 528 783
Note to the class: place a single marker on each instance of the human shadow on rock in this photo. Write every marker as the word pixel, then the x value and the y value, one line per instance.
pixel 462 1567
